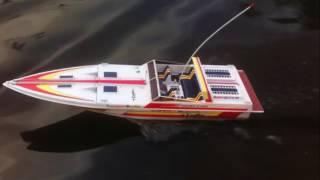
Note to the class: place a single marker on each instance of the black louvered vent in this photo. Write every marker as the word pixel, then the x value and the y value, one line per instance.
pixel 224 90
pixel 219 73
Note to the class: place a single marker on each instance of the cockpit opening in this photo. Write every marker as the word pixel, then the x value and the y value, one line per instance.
pixel 177 86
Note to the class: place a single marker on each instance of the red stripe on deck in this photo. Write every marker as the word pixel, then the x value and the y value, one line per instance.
pixel 226 115
pixel 111 81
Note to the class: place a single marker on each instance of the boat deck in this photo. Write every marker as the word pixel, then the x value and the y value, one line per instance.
pixel 106 86
pixel 97 85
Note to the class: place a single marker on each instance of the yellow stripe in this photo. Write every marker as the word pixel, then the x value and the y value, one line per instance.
pixel 201 79
pixel 162 76
pixel 191 99
pixel 54 75
pixel 200 94
pixel 213 113
pixel 49 89
pixel 184 76
pixel 50 76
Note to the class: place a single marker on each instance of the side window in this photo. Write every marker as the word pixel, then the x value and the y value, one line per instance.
pixel 65 76
pixel 110 89
pixel 64 86
pixel 110 74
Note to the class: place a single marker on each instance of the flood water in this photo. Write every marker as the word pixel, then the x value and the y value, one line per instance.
pixel 276 43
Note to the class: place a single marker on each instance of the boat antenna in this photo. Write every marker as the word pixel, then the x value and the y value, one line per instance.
pixel 214 33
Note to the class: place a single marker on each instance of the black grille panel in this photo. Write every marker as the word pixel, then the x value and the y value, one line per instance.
pixel 224 90
pixel 219 73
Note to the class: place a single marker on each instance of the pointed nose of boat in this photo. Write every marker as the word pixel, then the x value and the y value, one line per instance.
pixel 6 84
pixel 9 84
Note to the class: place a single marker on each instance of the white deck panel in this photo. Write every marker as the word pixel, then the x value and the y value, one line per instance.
pixel 127 94
pixel 233 79
pixel 123 71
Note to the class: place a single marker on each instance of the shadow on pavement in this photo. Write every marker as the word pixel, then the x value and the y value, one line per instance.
pixel 84 131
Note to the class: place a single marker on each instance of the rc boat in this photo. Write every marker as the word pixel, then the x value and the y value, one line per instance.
pixel 156 90
pixel 153 90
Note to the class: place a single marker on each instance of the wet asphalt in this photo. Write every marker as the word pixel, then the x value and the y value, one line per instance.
pixel 276 44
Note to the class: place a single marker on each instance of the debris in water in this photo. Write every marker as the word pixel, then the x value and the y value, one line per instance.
pixel 39 35
pixel 241 132
pixel 160 132
pixel 17 45
pixel 274 139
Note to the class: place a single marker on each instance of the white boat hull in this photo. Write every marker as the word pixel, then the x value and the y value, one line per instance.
pixel 135 92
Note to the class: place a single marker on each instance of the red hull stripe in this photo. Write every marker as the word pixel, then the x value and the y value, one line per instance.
pixel 154 115
pixel 256 105
pixel 179 106
pixel 111 81
pixel 227 115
